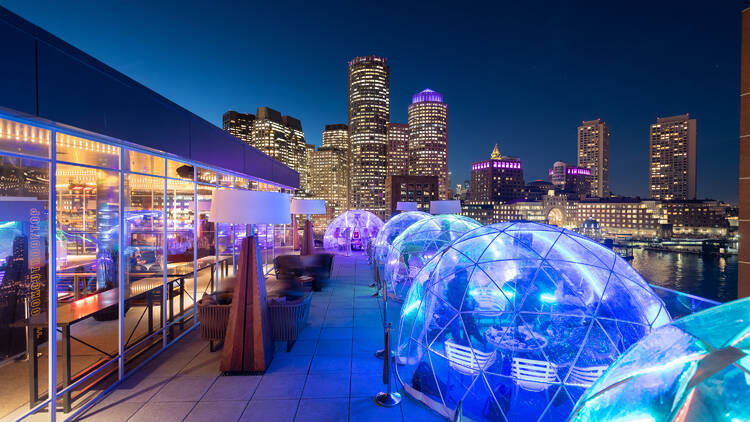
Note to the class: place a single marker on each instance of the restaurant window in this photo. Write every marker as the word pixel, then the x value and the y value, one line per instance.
pixel 83 151
pixel 144 163
pixel 20 138
pixel 178 170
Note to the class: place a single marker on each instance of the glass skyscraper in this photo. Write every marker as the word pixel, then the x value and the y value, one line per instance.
pixel 428 138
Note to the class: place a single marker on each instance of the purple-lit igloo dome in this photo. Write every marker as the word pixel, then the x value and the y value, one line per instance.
pixel 517 319
pixel 392 228
pixel 352 229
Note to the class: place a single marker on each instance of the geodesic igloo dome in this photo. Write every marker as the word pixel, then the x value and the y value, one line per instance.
pixel 392 228
pixel 517 319
pixel 697 366
pixel 353 229
pixel 416 245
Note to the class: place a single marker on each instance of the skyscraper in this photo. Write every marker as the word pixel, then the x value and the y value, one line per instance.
pixel 280 137
pixel 499 179
pixel 369 113
pixel 672 170
pixel 571 180
pixel 337 136
pixel 593 154
pixel 239 125
pixel 428 138
pixel 398 149
pixel 329 181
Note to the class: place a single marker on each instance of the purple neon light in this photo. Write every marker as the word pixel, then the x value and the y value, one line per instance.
pixel 578 170
pixel 427 95
pixel 497 164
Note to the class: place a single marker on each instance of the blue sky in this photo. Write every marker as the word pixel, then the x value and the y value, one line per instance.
pixel 520 75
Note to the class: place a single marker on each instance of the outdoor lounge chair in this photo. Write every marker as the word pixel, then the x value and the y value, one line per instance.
pixel 587 376
pixel 213 319
pixel 288 318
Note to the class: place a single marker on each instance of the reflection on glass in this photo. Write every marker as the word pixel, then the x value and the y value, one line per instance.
pixel 226 180
pixel 24 139
pixel 178 170
pixel 24 186
pixel 83 151
pixel 206 242
pixel 240 183
pixel 206 176
pixel 180 249
pixel 144 163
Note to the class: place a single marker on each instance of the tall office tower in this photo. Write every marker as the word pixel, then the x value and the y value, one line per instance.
pixel 672 172
pixel 428 138
pixel 499 179
pixel 593 154
pixel 329 180
pixel 239 125
pixel 282 138
pixel 369 113
pixel 337 136
pixel 398 149
pixel 743 253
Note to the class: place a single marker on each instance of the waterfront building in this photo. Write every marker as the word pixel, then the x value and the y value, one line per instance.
pixel 329 181
pixel 571 180
pixel 369 113
pixel 672 169
pixel 593 154
pixel 481 211
pixel 398 149
pixel 499 179
pixel 105 194
pixel 743 282
pixel 428 138
pixel 409 188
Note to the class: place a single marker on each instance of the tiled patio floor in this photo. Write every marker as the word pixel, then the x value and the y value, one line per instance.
pixel 330 374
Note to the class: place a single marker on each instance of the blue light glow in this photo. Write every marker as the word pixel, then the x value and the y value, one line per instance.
pixel 516 320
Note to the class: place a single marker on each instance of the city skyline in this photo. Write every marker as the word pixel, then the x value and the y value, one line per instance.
pixel 496 95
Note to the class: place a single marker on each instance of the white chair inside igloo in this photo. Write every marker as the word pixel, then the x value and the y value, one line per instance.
pixel 517 319
pixel 351 231
pixel 415 246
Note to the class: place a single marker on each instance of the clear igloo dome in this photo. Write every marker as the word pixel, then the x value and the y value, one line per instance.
pixel 416 245
pixel 353 229
pixel 517 320
pixel 697 366
pixel 392 228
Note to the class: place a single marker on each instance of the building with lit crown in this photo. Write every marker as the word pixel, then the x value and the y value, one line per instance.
pixel 428 138
pixel 499 179
pixel 571 180
pixel 672 169
pixel 593 154
pixel 369 90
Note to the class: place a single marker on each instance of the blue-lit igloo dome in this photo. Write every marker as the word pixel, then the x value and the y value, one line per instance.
pixel 353 229
pixel 392 228
pixel 517 320
pixel 695 369
pixel 416 245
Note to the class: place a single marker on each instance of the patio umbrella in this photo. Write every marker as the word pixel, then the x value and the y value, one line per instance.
pixel 694 369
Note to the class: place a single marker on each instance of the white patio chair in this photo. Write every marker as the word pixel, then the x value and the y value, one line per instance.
pixel 467 360
pixel 533 375
pixel 490 302
pixel 587 376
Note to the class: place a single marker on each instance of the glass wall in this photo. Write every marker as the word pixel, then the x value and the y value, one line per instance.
pixel 117 300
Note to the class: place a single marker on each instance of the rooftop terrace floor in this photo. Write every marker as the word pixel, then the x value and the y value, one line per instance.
pixel 329 375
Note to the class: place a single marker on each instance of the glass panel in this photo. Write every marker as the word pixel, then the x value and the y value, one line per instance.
pixel 24 190
pixel 143 259
pixel 83 151
pixel 206 242
pixel 206 176
pixel 226 180
pixel 225 246
pixel 24 139
pixel 180 247
pixel 178 170
pixel 144 163
pixel 240 183
pixel 253 185
pixel 88 215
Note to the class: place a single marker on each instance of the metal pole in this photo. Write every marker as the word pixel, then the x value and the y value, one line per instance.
pixel 165 260
pixel 121 275
pixel 458 414
pixel 52 283
pixel 387 398
pixel 381 353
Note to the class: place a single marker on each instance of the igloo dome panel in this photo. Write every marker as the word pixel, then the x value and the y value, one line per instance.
pixel 352 228
pixel 392 228
pixel 416 245
pixel 517 319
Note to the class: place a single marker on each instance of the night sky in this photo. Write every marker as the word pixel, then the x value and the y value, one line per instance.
pixel 522 76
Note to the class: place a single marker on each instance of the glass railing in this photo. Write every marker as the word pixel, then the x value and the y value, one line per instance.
pixel 681 304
